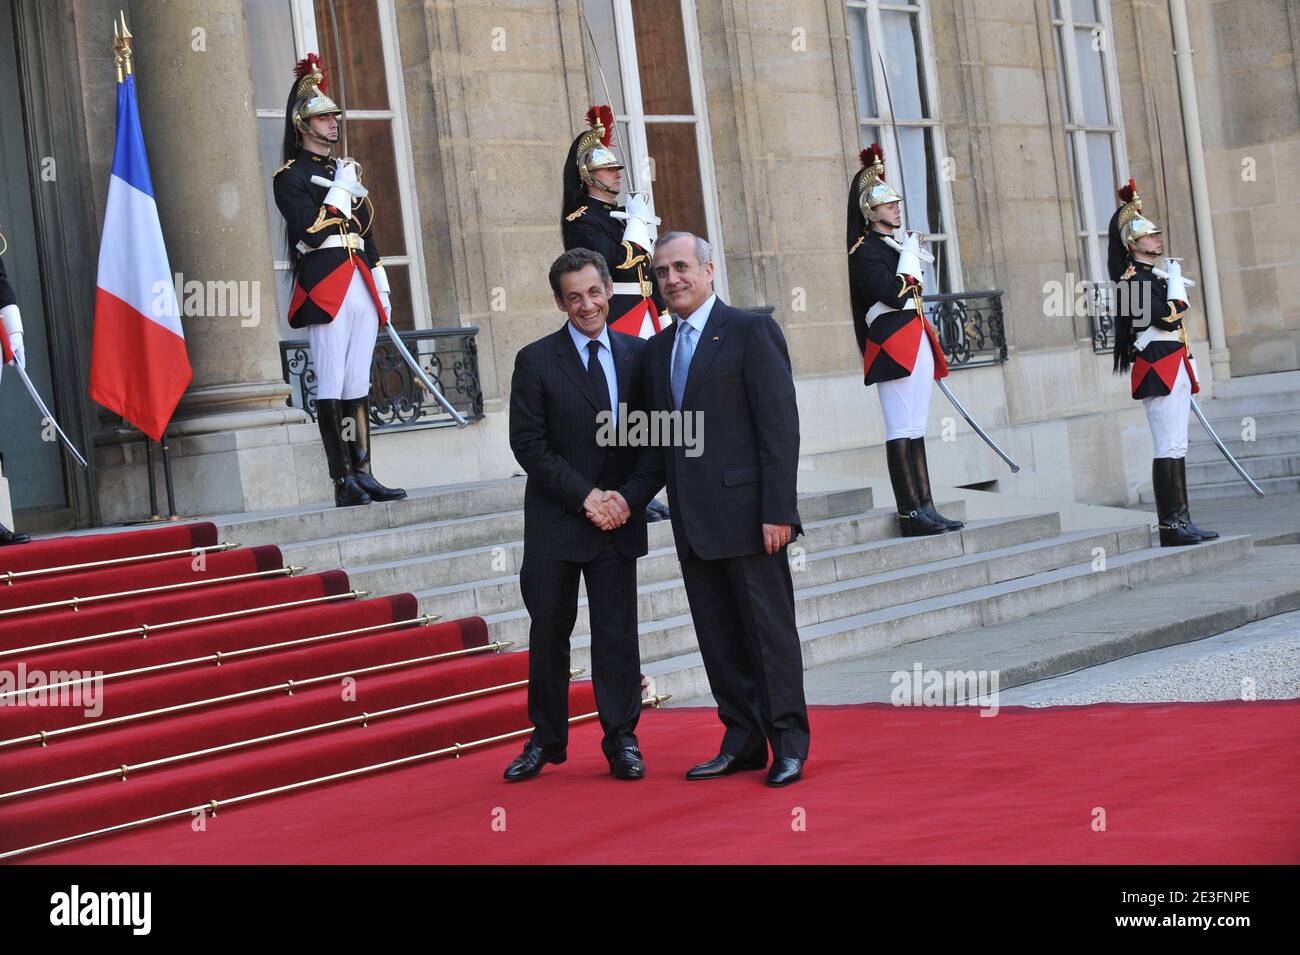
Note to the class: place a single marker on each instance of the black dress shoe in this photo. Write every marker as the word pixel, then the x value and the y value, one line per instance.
pixel 724 764
pixel 530 762
pixel 656 511
pixel 12 537
pixel 785 770
pixel 627 763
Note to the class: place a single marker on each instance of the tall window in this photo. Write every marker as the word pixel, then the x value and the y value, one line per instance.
pixel 900 32
pixel 1089 85
pixel 366 81
pixel 650 54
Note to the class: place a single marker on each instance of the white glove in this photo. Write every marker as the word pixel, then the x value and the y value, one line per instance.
pixel 13 323
pixel 909 258
pixel 641 221
pixel 344 186
pixel 387 302
pixel 1177 286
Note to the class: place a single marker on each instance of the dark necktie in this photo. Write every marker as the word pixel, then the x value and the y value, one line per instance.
pixel 597 375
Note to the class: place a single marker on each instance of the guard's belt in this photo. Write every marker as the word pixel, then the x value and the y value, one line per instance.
pixel 350 241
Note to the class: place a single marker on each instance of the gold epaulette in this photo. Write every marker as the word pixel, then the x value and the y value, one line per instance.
pixel 283 168
pixel 1129 272
pixel 575 213
pixel 630 258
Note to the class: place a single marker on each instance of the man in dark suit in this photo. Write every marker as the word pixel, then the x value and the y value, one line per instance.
pixel 566 388
pixel 733 504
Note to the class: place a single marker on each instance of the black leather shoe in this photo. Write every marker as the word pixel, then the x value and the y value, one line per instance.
pixel 530 762
pixel 627 763
pixel 724 764
pixel 12 537
pixel 656 511
pixel 785 770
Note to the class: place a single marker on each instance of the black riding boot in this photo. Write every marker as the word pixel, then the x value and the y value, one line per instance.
pixel 1174 531
pixel 12 537
pixel 347 492
pixel 358 410
pixel 922 471
pixel 912 521
pixel 1180 484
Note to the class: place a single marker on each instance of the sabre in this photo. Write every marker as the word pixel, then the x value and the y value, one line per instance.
pixel 943 386
pixel 36 397
pixel 422 378
pixel 1259 491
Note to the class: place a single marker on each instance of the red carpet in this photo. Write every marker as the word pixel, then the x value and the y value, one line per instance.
pixel 1179 783
pixel 219 677
pixel 220 685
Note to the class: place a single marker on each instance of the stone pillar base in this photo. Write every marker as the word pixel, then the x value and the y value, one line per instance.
pixel 219 472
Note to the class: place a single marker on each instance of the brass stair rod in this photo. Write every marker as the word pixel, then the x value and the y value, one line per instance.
pixel 10 576
pixel 44 736
pixel 145 629
pixel 76 602
pixel 220 657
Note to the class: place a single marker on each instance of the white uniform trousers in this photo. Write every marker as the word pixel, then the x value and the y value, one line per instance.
pixel 342 349
pixel 1167 416
pixel 906 401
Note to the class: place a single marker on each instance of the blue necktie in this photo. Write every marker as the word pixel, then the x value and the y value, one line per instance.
pixel 682 360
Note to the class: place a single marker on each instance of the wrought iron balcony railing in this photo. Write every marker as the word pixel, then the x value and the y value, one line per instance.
pixel 397 401
pixel 970 327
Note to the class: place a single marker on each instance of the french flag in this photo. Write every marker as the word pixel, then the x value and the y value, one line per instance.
pixel 139 367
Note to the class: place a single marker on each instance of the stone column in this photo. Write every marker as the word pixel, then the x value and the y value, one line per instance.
pixel 236 445
pixel 195 87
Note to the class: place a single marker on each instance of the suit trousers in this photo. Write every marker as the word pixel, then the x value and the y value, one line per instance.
pixel 743 610
pixel 550 592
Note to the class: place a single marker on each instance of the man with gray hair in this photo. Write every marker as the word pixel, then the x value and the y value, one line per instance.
pixel 733 507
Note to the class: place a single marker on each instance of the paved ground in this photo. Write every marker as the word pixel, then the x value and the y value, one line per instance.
pixel 1260 660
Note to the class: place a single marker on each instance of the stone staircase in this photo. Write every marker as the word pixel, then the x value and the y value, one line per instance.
pixel 1268 403
pixel 859 587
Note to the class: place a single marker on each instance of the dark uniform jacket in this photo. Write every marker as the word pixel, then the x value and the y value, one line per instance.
pixel 323 276
pixel 890 343
pixel 1140 299
pixel 590 226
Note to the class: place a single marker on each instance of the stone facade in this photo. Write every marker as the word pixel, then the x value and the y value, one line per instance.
pixel 490 128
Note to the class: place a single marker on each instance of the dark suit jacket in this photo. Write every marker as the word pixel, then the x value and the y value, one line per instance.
pixel 553 433
pixel 741 384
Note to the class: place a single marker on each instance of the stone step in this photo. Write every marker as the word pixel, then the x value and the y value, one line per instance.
pixel 1204 451
pixel 1267 402
pixel 1260 468
pixel 662 593
pixel 318 522
pixel 484 564
pixel 1255 384
pixel 1230 427
pixel 991 605
pixel 1239 488
pixel 1233 487
pixel 487 543
pixel 818 601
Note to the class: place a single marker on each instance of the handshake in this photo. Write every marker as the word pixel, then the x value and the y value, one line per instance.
pixel 606 509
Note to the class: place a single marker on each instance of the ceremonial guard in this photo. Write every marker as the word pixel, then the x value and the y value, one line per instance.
pixel 900 350
pixel 592 218
pixel 340 292
pixel 11 350
pixel 1151 344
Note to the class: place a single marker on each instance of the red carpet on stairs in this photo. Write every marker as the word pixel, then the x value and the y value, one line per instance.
pixel 1185 783
pixel 231 686
pixel 172 681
